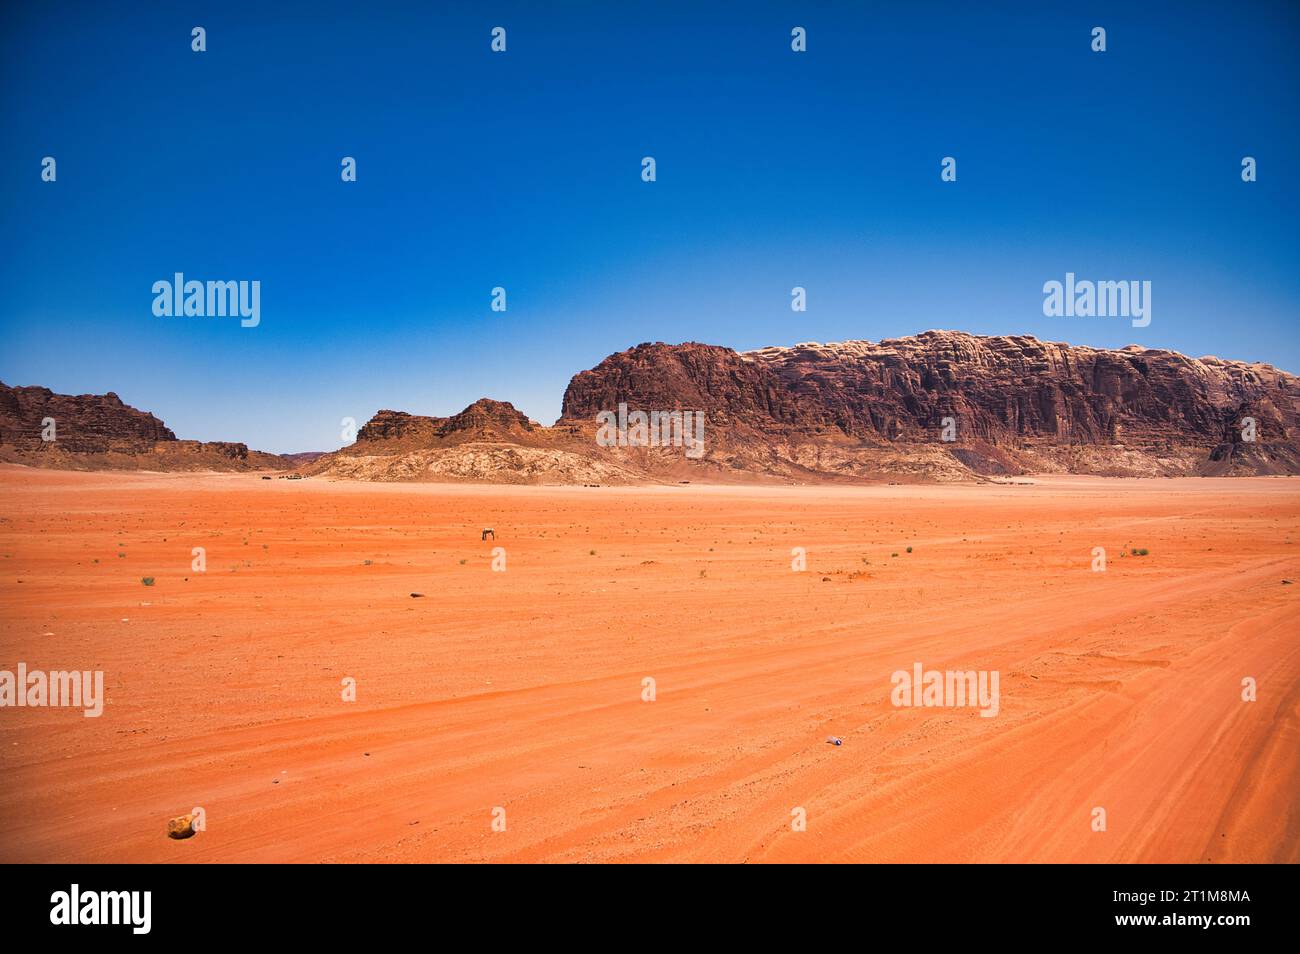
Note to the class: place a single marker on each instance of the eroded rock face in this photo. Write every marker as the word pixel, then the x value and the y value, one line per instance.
pixel 861 411
pixel 85 423
pixel 848 411
pixel 389 426
pixel 99 431
pixel 489 441
pixel 737 392
pixel 486 416
pixel 484 419
pixel 1016 403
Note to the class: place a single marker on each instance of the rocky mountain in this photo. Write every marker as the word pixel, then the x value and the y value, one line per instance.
pixel 1014 404
pixel 489 441
pixel 100 432
pixel 483 419
pixel 940 405
pixel 87 423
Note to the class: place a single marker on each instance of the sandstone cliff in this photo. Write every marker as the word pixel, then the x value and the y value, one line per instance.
pixel 1016 405
pixel 489 441
pixel 100 432
pixel 941 405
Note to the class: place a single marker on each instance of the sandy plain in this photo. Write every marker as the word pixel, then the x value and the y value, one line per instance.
pixel 522 690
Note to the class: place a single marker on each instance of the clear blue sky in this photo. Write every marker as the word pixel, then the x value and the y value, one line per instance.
pixel 522 169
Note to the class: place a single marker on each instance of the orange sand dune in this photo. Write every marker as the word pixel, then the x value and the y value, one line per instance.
pixel 523 689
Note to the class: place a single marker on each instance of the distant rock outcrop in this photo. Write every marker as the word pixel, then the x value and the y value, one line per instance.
pixel 489 441
pixel 84 424
pixel 1014 404
pixel 941 405
pixel 99 432
pixel 484 419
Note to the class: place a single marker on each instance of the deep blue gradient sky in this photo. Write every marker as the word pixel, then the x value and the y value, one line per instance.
pixel 522 169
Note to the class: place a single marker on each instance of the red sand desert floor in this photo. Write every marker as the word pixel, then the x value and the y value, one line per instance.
pixel 522 690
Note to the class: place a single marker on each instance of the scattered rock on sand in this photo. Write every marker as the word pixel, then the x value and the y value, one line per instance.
pixel 182 826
